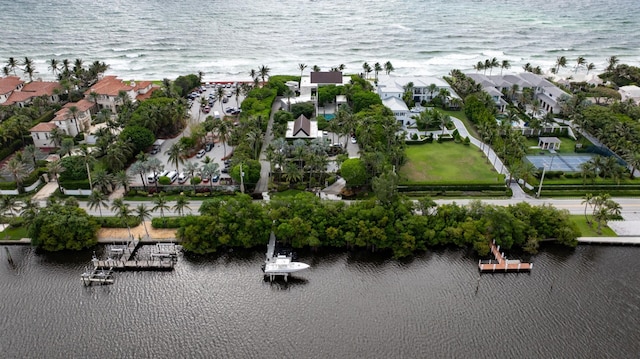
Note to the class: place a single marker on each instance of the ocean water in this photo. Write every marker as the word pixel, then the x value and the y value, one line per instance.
pixel 580 303
pixel 154 39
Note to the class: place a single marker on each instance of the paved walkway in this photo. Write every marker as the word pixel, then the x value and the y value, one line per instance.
pixel 265 167
pixel 44 192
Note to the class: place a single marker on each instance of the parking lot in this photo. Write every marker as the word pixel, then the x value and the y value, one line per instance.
pixel 216 152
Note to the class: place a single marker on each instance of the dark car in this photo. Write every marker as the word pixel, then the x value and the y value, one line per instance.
pixel 208 147
pixel 225 170
pixel 215 178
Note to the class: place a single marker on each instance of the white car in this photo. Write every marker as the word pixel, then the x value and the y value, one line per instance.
pixel 353 140
pixel 201 153
pixel 182 178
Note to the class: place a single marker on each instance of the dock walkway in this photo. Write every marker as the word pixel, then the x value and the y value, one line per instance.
pixel 501 263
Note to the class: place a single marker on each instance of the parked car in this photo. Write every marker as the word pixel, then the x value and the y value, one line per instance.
pixel 155 150
pixel 215 178
pixel 173 176
pixel 208 147
pixel 206 109
pixel 182 178
pixel 353 140
pixel 201 153
pixel 225 99
pixel 225 170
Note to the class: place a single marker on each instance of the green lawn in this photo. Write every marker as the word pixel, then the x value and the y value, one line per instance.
pixel 591 230
pixel 14 233
pixel 286 194
pixel 447 162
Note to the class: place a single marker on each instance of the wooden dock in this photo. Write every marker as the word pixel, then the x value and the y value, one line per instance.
pixel 97 276
pixel 123 258
pixel 501 263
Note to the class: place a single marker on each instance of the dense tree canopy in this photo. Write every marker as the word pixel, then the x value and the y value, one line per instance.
pixel 140 137
pixel 59 227
pixel 400 226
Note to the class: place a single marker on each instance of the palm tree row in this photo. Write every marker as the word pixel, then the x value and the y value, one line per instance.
pixel 490 64
pixel 603 209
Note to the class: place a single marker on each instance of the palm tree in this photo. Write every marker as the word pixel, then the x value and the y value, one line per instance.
pixel 504 65
pixel 9 204
pixel 479 66
pixel 181 204
pixel 5 70
pixel 53 66
pixel 103 181
pixel 612 62
pixel 31 152
pixel 17 170
pixel 264 72
pixel 160 204
pixel 493 63
pixel 377 68
pixel 66 147
pixel 587 200
pixel 143 213
pixel 175 155
pixel 224 131
pixel 445 120
pixel 388 67
pixel 122 179
pixel 367 69
pixel 54 168
pixel 580 61
pixel 590 67
pixel 254 75
pixel 29 68
pixel 98 200
pixel 561 61
pixel 121 209
pixel 288 93
pixel 29 211
pixel 220 95
pixel 12 64
pixel 209 170
pixel 140 168
pixel 301 67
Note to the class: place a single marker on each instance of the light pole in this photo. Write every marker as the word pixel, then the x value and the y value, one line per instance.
pixel 241 179
pixel 544 169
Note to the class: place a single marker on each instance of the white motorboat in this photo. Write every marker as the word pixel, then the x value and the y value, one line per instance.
pixel 282 264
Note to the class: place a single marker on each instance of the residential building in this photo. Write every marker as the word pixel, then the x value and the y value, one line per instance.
pixel 108 88
pixel 543 90
pixel 70 124
pixel 631 92
pixel 425 88
pixel 8 85
pixel 41 135
pixel 15 92
pixel 309 88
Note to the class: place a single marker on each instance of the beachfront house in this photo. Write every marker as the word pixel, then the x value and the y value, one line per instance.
pixel 309 89
pixel 425 88
pixel 8 85
pixel 109 88
pixel 544 91
pixel 14 91
pixel 631 92
pixel 70 123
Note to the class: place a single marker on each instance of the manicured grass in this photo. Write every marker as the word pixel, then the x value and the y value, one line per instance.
pixel 590 230
pixel 447 162
pixel 462 117
pixel 14 233
pixel 286 194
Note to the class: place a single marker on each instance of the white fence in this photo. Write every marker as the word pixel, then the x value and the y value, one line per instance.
pixel 14 192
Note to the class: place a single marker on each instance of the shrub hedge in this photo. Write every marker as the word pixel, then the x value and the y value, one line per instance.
pixel 116 222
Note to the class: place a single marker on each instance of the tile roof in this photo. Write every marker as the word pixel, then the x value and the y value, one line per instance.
pixel 82 105
pixel 9 83
pixel 31 90
pixel 109 86
pixel 43 127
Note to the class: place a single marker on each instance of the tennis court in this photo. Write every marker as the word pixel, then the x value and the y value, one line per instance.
pixel 557 162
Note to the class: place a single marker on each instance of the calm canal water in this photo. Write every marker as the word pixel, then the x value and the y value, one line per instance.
pixel 576 303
